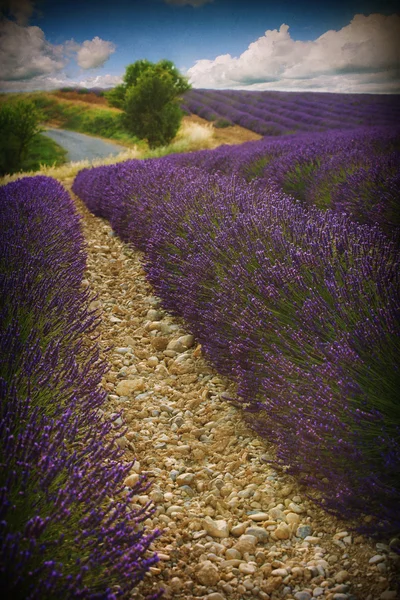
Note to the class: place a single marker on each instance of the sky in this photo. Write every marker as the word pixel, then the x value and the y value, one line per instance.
pixel 326 45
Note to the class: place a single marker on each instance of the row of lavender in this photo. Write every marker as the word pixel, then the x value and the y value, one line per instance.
pixel 67 526
pixel 277 113
pixel 357 171
pixel 296 305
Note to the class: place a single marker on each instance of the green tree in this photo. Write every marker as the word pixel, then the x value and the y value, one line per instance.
pixel 150 96
pixel 19 125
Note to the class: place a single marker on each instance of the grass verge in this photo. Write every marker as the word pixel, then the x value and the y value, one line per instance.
pixel 43 152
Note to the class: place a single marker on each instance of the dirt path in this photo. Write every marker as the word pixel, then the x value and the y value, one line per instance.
pixel 232 527
pixel 80 146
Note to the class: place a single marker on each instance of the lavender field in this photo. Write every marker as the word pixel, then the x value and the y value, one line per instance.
pixel 280 113
pixel 259 249
pixel 66 529
pixel 282 256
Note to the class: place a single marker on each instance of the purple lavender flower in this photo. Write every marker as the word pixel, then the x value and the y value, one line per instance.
pixel 67 525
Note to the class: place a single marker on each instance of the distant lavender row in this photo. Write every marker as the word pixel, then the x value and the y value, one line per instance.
pixel 67 527
pixel 275 113
pixel 296 305
pixel 357 171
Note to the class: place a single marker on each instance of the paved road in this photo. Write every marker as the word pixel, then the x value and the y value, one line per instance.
pixel 80 146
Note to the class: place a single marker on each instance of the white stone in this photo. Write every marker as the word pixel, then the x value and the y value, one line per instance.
pixel 217 528
pixel 247 568
pixel 127 386
pixel 261 516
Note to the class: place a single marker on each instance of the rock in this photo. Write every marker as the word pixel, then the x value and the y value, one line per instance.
pixel 303 531
pixel 232 562
pixel 272 584
pixel 376 559
pixel 181 344
pixel 340 596
pixel 312 539
pixel 302 596
pixel 218 528
pixel 185 479
pixel 282 532
pixel 215 596
pixel 247 568
pixel 341 576
pixel 152 361
pixel 174 509
pixel 239 529
pixel 388 595
pixel 276 513
pixel 122 442
pixel 261 516
pixel 184 449
pixel 153 315
pixel 246 543
pixel 292 518
pixel 132 480
pixel 317 592
pixel 207 573
pixel 347 540
pixel 279 572
pixel 115 319
pixel 159 343
pixel 127 386
pixel 296 508
pixel 176 584
pixel 259 532
pixel 232 553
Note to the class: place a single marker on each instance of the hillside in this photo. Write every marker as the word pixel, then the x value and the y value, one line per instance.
pixel 282 113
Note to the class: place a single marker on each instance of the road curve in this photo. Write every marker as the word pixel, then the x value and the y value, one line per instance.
pixel 80 146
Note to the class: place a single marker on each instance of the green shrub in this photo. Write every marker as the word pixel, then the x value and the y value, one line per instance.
pixel 222 123
pixel 19 125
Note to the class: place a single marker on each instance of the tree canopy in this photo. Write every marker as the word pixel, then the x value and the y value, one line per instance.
pixel 149 95
pixel 19 124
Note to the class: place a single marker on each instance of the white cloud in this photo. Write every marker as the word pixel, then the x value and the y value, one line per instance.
pixel 194 3
pixel 335 61
pixel 25 53
pixel 28 61
pixel 94 53
pixel 99 81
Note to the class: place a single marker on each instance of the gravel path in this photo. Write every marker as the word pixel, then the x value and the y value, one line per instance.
pixel 233 527
pixel 80 146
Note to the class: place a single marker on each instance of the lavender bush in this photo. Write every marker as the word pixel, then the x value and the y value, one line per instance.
pixel 298 306
pixel 67 526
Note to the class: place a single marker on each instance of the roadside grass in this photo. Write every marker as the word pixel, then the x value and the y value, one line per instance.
pixel 47 158
pixel 77 115
pixel 43 152
pixel 68 170
pixel 191 137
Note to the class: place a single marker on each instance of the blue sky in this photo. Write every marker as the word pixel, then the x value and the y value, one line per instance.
pixel 327 45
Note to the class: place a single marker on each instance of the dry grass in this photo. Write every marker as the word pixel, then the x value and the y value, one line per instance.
pixel 194 134
pixel 89 98
pixel 72 168
pixel 228 135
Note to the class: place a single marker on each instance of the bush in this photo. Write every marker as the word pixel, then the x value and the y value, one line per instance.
pixel 19 124
pixel 221 123
pixel 149 97
pixel 296 305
